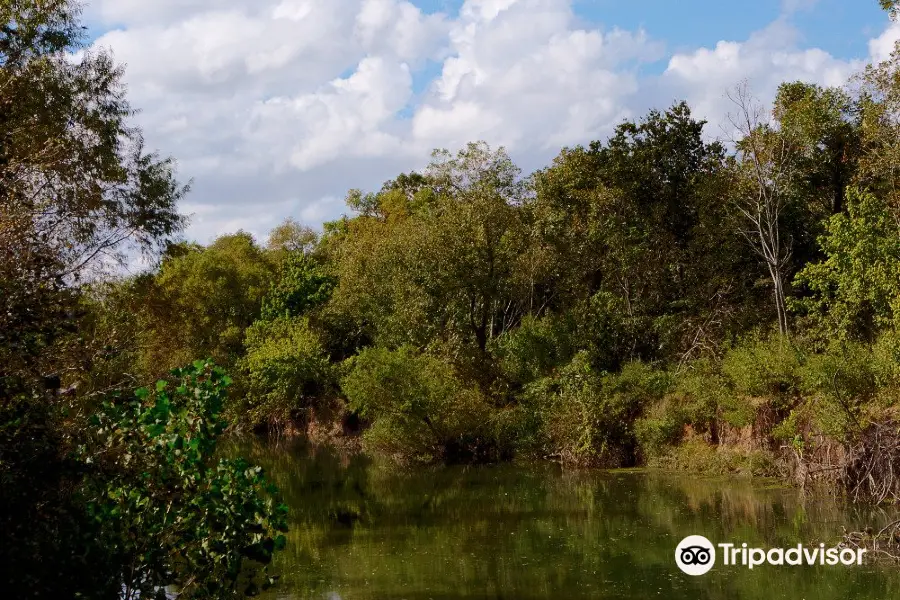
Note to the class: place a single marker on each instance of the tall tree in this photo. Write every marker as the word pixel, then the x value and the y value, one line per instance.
pixel 766 170
pixel 878 99
pixel 823 125
pixel 636 224
pixel 76 189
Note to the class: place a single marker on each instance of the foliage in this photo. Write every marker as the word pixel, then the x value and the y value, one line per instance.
pixel 301 285
pixel 173 515
pixel 77 192
pixel 291 237
pixel 854 291
pixel 697 456
pixel 648 201
pixel 419 409
pixel 202 300
pixel 591 418
pixel 697 397
pixel 70 163
pixel 534 349
pixel 765 368
pixel 433 257
pixel 286 370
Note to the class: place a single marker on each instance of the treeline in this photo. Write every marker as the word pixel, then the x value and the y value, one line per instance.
pixel 653 298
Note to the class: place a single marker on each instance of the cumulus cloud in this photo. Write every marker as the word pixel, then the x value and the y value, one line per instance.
pixel 278 107
pixel 521 73
pixel 881 47
pixel 765 60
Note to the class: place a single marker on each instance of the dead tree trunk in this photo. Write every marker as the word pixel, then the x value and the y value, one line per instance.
pixel 765 162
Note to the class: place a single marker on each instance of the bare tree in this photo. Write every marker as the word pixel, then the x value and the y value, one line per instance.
pixel 765 162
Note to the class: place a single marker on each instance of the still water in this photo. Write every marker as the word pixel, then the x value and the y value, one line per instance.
pixel 363 529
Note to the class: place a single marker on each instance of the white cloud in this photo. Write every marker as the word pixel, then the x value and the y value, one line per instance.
pixel 881 47
pixel 765 60
pixel 278 107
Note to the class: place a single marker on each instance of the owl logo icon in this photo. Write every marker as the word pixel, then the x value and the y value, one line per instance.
pixel 695 555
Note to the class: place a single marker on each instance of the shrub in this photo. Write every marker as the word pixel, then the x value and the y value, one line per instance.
pixel 697 456
pixel 286 370
pixel 694 399
pixel 837 384
pixel 768 368
pixel 172 514
pixel 591 418
pixel 532 350
pixel 418 407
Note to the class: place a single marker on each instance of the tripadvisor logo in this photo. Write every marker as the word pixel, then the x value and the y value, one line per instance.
pixel 696 555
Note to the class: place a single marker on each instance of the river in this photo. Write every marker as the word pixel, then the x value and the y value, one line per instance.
pixel 366 529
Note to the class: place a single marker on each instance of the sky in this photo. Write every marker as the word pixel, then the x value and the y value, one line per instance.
pixel 276 108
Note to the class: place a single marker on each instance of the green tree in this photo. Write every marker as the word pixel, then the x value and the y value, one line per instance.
pixel 854 292
pixel 823 125
pixel 302 284
pixel 286 369
pixel 433 258
pixel 202 300
pixel 77 190
pixel 418 407
pixel 291 236
pixel 646 202
pixel 878 102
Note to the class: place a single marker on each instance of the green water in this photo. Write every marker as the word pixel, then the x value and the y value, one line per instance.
pixel 369 530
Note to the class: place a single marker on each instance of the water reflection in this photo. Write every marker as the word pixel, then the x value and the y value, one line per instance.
pixel 366 530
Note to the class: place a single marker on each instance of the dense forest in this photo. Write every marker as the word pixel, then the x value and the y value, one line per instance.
pixel 657 298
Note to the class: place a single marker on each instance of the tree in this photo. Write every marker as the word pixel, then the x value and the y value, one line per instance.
pixel 878 100
pixel 286 369
pixel 633 231
pixel 70 163
pixel 301 285
pixel 432 258
pixel 766 170
pixel 854 292
pixel 419 407
pixel 202 300
pixel 476 232
pixel 291 236
pixel 823 124
pixel 77 190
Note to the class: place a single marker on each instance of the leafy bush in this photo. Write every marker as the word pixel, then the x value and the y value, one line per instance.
pixel 172 514
pixel 694 399
pixel 591 418
pixel 855 291
pixel 768 368
pixel 201 301
pixel 286 370
pixel 532 350
pixel 838 383
pixel 301 285
pixel 418 407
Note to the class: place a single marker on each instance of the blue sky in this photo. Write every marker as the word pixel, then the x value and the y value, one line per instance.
pixel 841 27
pixel 838 26
pixel 276 108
